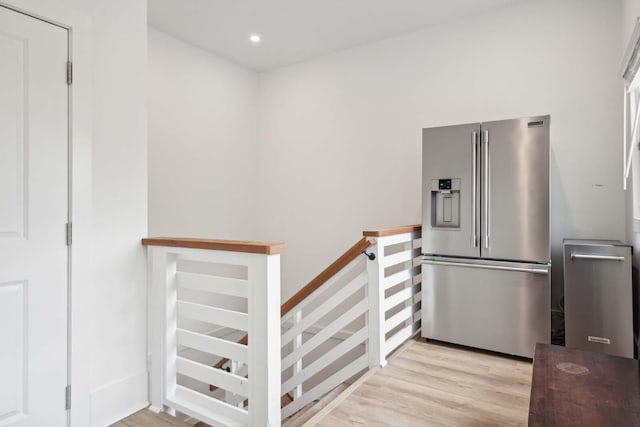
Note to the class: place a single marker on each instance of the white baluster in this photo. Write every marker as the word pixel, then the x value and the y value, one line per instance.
pixel 230 397
pixel 297 343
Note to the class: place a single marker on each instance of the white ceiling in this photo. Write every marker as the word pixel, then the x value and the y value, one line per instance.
pixel 295 30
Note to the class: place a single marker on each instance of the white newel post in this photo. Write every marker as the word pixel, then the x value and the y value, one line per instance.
pixel 376 319
pixel 162 345
pixel 157 261
pixel 264 341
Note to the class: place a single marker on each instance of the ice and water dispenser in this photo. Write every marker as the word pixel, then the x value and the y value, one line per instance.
pixel 445 203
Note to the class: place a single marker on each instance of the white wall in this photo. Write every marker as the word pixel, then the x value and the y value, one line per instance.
pixel 630 14
pixel 110 204
pixel 340 136
pixel 202 143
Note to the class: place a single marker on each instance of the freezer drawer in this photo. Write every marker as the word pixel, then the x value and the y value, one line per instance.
pixel 498 306
pixel 598 297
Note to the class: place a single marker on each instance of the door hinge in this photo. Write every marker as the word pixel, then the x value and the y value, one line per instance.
pixel 67 397
pixel 69 72
pixel 69 234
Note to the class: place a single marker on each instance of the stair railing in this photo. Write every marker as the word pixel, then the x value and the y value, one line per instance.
pixel 203 294
pixel 352 315
pixel 206 297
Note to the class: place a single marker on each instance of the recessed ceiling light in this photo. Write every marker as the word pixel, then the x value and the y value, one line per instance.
pixel 255 38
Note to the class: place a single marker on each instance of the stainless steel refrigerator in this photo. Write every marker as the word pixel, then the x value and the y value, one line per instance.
pixel 486 267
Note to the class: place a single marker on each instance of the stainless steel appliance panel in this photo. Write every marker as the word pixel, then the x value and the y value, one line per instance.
pixel 515 189
pixel 498 306
pixel 598 296
pixel 451 153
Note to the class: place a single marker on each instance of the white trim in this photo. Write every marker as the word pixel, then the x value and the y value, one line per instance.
pixel 227 380
pixel 211 345
pixel 213 315
pixel 400 277
pixel 624 136
pixel 213 284
pixel 634 135
pixel 400 257
pixel 395 239
pixel 115 401
pixel 631 46
pixel 212 411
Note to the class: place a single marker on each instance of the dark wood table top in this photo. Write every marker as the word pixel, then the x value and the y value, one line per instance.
pixel 581 388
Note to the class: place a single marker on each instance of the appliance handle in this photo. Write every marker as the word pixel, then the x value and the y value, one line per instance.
pixel 488 267
pixel 487 196
pixel 597 257
pixel 474 190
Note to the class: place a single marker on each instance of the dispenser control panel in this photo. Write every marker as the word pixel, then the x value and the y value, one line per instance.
pixel 444 184
pixel 445 203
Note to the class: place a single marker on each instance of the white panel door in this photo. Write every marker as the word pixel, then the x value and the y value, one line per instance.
pixel 33 213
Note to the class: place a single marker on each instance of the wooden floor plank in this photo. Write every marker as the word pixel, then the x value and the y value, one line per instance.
pixel 437 385
pixel 147 418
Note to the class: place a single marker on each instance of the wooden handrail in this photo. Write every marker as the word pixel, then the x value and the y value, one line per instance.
pixel 391 231
pixel 351 254
pixel 344 259
pixel 265 248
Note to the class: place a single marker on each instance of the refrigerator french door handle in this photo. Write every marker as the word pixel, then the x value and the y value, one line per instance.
pixel 597 257
pixel 488 267
pixel 487 195
pixel 474 190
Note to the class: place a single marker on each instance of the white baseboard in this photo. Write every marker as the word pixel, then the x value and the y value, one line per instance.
pixel 113 402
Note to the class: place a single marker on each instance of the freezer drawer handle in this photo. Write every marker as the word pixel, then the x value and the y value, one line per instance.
pixel 489 267
pixel 597 257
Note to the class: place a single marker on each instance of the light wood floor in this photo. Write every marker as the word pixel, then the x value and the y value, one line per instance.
pixel 422 385
pixel 146 418
pixel 436 385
